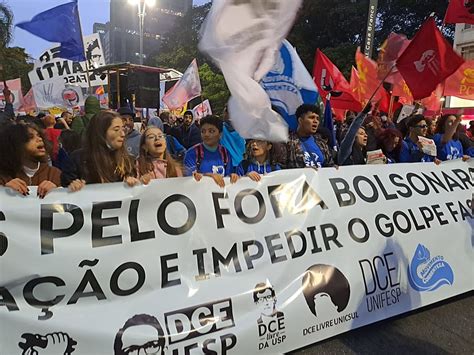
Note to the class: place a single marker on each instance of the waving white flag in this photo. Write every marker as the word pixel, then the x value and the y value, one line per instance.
pixel 244 37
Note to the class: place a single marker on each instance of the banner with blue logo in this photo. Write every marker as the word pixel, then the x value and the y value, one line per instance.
pixel 185 267
pixel 289 85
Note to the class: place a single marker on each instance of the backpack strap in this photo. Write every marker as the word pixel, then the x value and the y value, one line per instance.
pixel 199 150
pixel 224 155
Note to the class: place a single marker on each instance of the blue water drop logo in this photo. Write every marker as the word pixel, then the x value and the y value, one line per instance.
pixel 428 274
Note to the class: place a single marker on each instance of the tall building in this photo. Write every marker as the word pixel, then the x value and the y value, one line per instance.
pixel 103 30
pixel 123 29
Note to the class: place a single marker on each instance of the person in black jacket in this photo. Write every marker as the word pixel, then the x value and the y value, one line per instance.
pixel 7 115
pixel 190 133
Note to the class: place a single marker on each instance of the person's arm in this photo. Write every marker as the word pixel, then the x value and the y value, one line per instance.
pixel 346 145
pixel 189 162
pixel 449 133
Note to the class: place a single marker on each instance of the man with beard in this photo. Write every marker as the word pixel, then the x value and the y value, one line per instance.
pixel 190 133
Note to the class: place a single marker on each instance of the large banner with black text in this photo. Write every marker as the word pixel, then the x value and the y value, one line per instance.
pixel 185 267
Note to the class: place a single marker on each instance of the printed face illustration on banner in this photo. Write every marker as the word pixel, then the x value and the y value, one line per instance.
pixel 428 274
pixel 52 343
pixel 325 287
pixel 270 321
pixel 141 334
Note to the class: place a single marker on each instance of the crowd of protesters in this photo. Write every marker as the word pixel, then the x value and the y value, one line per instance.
pixel 104 146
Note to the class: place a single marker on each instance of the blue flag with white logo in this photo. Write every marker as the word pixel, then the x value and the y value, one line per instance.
pixel 329 123
pixel 289 84
pixel 60 24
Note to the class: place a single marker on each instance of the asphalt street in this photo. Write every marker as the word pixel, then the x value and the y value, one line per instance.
pixel 443 328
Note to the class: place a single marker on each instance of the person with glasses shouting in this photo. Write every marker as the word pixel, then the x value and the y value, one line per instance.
pixel 154 161
pixel 412 147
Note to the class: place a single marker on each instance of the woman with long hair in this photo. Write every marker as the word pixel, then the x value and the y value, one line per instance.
pixel 154 161
pixel 24 160
pixel 104 157
pixel 358 154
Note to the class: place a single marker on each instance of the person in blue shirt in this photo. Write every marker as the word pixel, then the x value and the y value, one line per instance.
pixel 411 151
pixel 302 150
pixel 259 160
pixel 210 158
pixel 448 145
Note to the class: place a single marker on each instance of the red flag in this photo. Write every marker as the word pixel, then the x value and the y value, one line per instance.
pixel 460 11
pixel 355 84
pixel 391 49
pixel 461 83
pixel 329 79
pixel 433 102
pixel 401 89
pixel 427 61
pixel 186 89
pixel 368 81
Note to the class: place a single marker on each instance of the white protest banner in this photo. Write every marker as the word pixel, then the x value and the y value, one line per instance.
pixel 50 66
pixel 181 267
pixel 49 93
pixel 14 86
pixel 244 39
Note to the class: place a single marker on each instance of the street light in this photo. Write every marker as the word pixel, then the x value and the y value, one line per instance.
pixel 142 4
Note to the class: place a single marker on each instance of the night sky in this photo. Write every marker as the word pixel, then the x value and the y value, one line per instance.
pixel 90 11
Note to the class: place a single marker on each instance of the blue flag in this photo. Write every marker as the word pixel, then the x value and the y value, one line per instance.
pixel 329 123
pixel 59 24
pixel 289 84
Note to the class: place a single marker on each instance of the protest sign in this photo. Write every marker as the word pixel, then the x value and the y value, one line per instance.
pixel 184 267
pixel 14 86
pixel 50 65
pixel 202 110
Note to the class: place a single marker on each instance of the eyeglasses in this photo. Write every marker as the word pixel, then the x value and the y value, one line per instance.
pixel 422 126
pixel 154 137
pixel 264 299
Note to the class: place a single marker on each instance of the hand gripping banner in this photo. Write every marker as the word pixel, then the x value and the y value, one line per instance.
pixel 185 267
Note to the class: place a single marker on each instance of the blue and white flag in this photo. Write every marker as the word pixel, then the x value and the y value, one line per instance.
pixel 243 38
pixel 289 84
pixel 60 24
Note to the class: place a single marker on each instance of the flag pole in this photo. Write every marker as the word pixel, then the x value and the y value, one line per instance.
pixel 381 83
pixel 83 50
